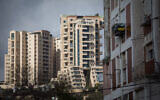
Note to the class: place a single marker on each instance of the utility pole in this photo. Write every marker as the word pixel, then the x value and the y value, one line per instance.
pixel 156 33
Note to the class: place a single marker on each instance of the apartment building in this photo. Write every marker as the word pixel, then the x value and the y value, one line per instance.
pixel 57 56
pixel 40 57
pixel 74 76
pixel 96 75
pixel 15 59
pixel 29 58
pixel 131 70
pixel 80 42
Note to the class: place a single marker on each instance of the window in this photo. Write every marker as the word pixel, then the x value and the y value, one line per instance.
pixel 65 38
pixel 71 58
pixel 124 75
pixel 86 28
pixel 66 55
pixel 128 21
pixel 12 43
pixel 64 21
pixel 65 47
pixel 71 25
pixel 12 36
pixel 118 77
pixel 71 43
pixel 66 29
pixel 12 58
pixel 123 59
pixel 149 52
pixel 71 50
pixel 12 51
pixel 71 33
pixel 71 19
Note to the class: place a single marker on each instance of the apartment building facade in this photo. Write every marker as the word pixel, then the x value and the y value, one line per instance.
pixel 29 58
pixel 15 59
pixel 57 56
pixel 131 44
pixel 40 57
pixel 80 39
pixel 96 76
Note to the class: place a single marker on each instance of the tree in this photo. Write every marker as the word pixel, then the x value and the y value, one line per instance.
pixel 62 91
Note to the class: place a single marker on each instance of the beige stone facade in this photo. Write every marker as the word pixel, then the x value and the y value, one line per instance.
pixel 57 55
pixel 40 56
pixel 96 75
pixel 29 58
pixel 80 43
pixel 15 60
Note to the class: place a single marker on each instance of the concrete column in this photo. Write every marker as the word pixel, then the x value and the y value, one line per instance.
pixel 156 32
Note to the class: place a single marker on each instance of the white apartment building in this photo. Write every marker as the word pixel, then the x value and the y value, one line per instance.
pixel 40 57
pixel 29 58
pixel 16 60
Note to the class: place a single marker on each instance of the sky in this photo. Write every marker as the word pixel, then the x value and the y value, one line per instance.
pixel 32 15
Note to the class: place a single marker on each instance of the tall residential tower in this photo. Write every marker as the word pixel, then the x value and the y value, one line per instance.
pixel 40 56
pixel 16 59
pixel 29 58
pixel 80 39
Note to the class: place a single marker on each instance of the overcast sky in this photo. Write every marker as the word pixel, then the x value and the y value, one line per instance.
pixel 32 15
